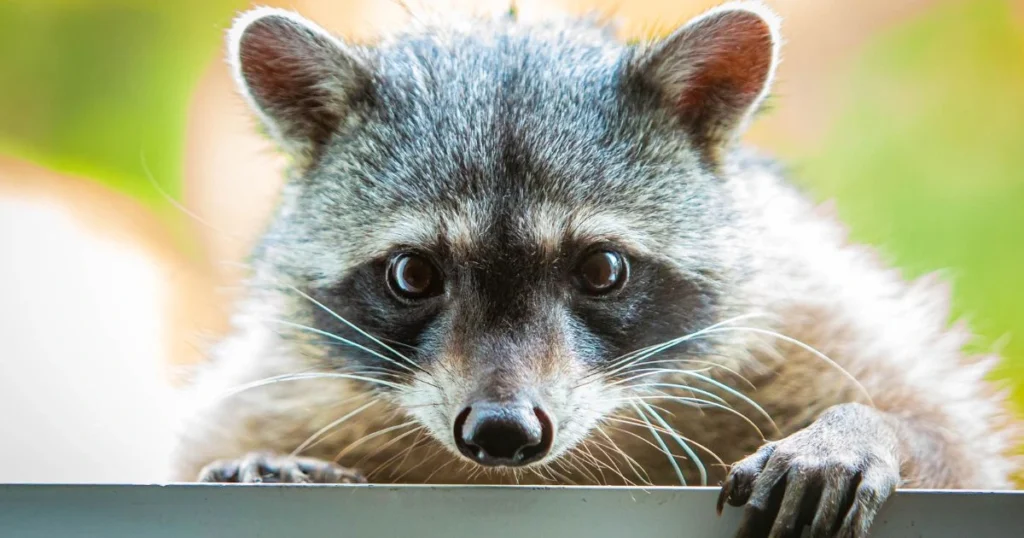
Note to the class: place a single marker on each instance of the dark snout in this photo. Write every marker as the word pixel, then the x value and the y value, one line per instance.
pixel 509 434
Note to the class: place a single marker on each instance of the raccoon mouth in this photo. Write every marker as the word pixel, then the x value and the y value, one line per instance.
pixel 496 435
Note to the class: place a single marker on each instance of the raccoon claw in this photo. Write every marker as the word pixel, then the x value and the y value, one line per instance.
pixel 739 485
pixel 819 477
pixel 260 467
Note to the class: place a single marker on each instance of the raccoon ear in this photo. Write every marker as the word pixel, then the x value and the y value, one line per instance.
pixel 298 78
pixel 715 71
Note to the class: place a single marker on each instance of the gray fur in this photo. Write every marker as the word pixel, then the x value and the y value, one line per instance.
pixel 504 152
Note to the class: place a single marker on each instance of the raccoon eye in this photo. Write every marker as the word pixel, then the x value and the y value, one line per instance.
pixel 413 277
pixel 602 272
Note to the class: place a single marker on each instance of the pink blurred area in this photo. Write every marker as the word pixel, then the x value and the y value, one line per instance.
pixel 107 302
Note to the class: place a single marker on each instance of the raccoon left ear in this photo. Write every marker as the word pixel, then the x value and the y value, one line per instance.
pixel 301 80
pixel 715 71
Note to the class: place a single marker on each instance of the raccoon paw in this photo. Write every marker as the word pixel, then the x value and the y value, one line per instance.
pixel 832 476
pixel 262 467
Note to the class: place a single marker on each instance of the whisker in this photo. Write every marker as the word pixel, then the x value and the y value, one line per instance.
pixel 353 326
pixel 617 361
pixel 564 464
pixel 661 443
pixel 430 457
pixel 580 467
pixel 620 364
pixel 407 452
pixel 562 477
pixel 617 454
pixel 648 372
pixel 379 341
pixel 710 381
pixel 598 464
pixel 343 340
pixel 805 347
pixel 705 449
pixel 610 464
pixel 682 444
pixel 636 422
pixel 633 464
pixel 373 435
pixel 476 472
pixel 419 406
pixel 322 342
pixel 662 409
pixel 686 400
pixel 695 390
pixel 676 341
pixel 431 475
pixel 297 377
pixel 180 206
pixel 397 343
pixel 746 399
pixel 569 463
pixel 538 471
pixel 710 364
pixel 644 356
pixel 319 436
pixel 641 438
pixel 383 447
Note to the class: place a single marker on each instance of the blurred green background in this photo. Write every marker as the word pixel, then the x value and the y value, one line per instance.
pixel 927 161
pixel 925 155
pixel 87 85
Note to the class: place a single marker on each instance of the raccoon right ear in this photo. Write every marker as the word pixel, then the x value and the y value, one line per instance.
pixel 714 72
pixel 300 79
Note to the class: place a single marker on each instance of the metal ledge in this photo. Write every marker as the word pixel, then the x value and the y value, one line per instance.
pixel 222 511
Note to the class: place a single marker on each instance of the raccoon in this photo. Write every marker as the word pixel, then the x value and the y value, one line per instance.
pixel 530 253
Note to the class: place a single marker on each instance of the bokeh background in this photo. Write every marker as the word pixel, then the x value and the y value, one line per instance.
pixel 132 179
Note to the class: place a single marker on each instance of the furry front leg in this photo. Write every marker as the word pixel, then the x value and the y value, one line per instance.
pixel 834 476
pixel 262 467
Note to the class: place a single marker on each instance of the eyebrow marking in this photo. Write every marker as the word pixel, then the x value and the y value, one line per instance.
pixel 548 226
pixel 407 228
pixel 464 229
pixel 545 226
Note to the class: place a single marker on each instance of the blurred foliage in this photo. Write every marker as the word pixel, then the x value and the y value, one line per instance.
pixel 91 87
pixel 927 160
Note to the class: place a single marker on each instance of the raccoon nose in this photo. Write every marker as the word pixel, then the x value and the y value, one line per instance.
pixel 495 434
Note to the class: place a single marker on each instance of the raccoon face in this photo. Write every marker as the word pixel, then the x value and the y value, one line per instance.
pixel 505 224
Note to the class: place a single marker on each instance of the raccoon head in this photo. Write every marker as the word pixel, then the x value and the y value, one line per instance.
pixel 504 222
